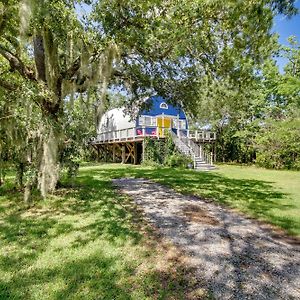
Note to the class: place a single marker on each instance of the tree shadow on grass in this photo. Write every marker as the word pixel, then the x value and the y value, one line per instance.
pixel 74 246
pixel 238 259
pixel 92 278
pixel 97 198
pixel 257 198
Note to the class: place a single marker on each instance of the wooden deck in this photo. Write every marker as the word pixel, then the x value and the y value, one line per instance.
pixel 140 133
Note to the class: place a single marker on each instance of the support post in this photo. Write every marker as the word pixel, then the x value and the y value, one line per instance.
pixel 163 125
pixel 143 150
pixel 123 153
pixel 114 153
pixel 201 151
pixel 178 127
pixel 135 154
pixel 98 153
pixel 215 151
pixel 106 153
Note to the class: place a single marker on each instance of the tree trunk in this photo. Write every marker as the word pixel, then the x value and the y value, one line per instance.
pixel 27 193
pixel 48 174
pixel 20 174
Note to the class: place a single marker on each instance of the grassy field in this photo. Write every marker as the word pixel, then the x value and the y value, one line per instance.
pixel 89 242
pixel 86 242
pixel 268 195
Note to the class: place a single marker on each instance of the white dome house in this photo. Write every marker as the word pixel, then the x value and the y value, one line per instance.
pixel 113 120
pixel 121 138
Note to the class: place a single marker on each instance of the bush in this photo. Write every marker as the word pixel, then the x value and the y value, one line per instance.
pixel 177 160
pixel 163 152
pixel 278 145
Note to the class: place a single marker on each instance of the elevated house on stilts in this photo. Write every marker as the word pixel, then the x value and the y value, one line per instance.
pixel 121 139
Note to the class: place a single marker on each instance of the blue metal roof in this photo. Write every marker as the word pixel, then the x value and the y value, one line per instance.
pixel 155 108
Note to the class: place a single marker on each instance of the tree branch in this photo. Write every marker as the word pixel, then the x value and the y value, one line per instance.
pixel 71 71
pixel 7 85
pixel 39 57
pixel 16 64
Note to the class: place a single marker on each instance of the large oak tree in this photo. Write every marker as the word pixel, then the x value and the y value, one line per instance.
pixel 180 49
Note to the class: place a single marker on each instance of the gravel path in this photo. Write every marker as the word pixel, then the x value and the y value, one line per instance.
pixel 237 258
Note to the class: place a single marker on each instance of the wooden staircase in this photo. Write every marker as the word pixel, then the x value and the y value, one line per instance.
pixel 202 160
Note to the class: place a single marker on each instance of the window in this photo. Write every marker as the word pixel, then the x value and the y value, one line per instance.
pixel 179 124
pixel 182 124
pixel 150 121
pixel 147 121
pixel 142 121
pixel 164 105
pixel 175 125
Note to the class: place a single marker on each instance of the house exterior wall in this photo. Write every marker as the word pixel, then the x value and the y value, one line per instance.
pixel 116 119
pixel 155 109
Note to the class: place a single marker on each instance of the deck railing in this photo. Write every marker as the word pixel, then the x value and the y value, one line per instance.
pixel 196 151
pixel 136 133
pixel 201 135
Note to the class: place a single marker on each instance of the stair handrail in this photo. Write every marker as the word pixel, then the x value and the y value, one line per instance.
pixel 198 150
pixel 177 141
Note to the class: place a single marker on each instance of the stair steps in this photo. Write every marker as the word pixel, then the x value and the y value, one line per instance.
pixel 200 164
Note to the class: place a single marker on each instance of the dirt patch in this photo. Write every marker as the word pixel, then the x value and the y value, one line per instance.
pixel 196 214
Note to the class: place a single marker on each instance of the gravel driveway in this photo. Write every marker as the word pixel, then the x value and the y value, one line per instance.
pixel 237 257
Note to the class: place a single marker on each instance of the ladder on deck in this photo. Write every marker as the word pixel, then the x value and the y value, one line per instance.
pixel 203 161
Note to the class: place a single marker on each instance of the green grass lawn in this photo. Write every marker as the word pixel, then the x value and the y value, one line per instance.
pixel 86 242
pixel 89 242
pixel 269 195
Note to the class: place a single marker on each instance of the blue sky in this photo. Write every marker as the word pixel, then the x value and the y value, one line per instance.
pixel 286 27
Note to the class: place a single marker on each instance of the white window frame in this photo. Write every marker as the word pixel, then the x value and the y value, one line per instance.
pixel 182 124
pixel 175 123
pixel 142 120
pixel 164 105
pixel 147 121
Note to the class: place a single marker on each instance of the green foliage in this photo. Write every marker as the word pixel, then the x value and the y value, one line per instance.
pixel 163 152
pixel 85 242
pixel 153 151
pixel 178 160
pixel 242 117
pixel 222 44
pixel 235 143
pixel 49 54
pixel 20 128
pixel 278 145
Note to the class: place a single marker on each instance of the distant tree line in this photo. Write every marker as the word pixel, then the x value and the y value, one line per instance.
pixel 266 129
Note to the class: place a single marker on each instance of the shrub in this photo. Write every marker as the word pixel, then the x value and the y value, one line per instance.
pixel 177 160
pixel 163 152
pixel 278 145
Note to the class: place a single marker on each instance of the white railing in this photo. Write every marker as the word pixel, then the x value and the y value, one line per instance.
pixel 196 151
pixel 181 146
pixel 201 135
pixel 134 133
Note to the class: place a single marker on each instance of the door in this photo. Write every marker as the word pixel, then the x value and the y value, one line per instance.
pixel 163 124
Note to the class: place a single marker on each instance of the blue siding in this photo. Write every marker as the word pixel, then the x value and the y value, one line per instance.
pixel 156 110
